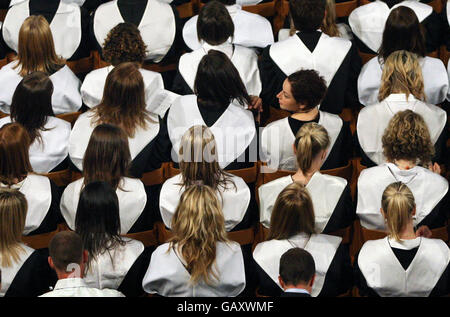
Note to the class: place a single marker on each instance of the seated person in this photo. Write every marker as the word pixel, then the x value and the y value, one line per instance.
pixel 297 273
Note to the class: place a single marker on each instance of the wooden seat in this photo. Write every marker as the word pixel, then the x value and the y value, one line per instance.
pixel 70 117
pixel 365 57
pixel 343 9
pixel 60 178
pixel 39 241
pixel 164 234
pixel 148 238
pixel 187 10
pixel 345 233
pixel 444 54
pixel 83 65
pixel 243 237
pixel 3 62
pixel 155 177
pixel 2 114
pixel 266 9
pixel 76 175
pixel 276 114
pixel 3 14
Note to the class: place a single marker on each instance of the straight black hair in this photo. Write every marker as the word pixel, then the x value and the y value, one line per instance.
pixel 214 24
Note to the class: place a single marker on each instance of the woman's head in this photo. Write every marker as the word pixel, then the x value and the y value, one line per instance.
pixel 124 44
pixel 36 49
pixel 198 224
pixel 402 73
pixel 15 160
pixel 293 213
pixel 214 24
pixel 302 91
pixel 407 138
pixel 13 211
pixel 398 208
pixel 311 143
pixel 402 31
pixel 107 157
pixel 218 82
pixel 32 103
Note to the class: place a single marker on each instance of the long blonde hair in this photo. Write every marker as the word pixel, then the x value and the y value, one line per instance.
pixel 398 205
pixel 198 224
pixel 13 211
pixel 311 139
pixel 36 49
pixel 402 73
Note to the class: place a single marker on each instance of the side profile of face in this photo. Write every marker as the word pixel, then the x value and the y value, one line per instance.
pixel 286 99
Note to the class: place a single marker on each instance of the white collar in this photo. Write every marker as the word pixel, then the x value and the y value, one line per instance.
pixel 400 97
pixel 405 244
pixel 297 290
pixel 73 282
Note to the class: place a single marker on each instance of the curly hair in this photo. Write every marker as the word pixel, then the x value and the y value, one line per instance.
pixel 407 137
pixel 124 44
pixel 308 88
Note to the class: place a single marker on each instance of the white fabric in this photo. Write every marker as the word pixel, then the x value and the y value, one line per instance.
pixel 374 119
pixel 277 141
pixel 427 187
pixel 67 20
pixel 109 269
pixel 234 201
pixel 168 276
pixel 344 30
pixel 84 126
pixel 292 55
pixel 386 276
pixel 244 59
pixel 448 69
pixel 245 24
pixel 325 191
pixel 77 2
pixel 233 131
pixel 367 22
pixel 130 193
pixel 435 80
pixel 76 287
pixel 322 247
pixel 9 273
pixel 54 148
pixel 157 26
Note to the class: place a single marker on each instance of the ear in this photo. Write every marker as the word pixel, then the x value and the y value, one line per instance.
pixel 312 280
pixel 281 282
pixel 413 213
pixel 324 155
pixel 382 213
pixel 50 262
pixel 85 256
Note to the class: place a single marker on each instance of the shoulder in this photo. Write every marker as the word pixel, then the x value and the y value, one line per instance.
pixel 433 63
pixel 280 183
pixel 35 178
pixel 132 184
pixel 60 124
pixel 333 181
pixel 133 246
pixel 245 52
pixel 434 178
pixel 366 9
pixel 97 75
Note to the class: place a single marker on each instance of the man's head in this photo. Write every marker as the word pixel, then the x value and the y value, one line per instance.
pixel 307 15
pixel 297 269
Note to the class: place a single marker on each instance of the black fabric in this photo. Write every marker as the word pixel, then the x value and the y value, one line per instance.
pixel 92 5
pixel 62 166
pixel 132 11
pixel 131 285
pixel 437 217
pixel 4 4
pixel 445 28
pixel 251 278
pixel 179 85
pixel 148 216
pixel 291 294
pixel 405 257
pixel 343 214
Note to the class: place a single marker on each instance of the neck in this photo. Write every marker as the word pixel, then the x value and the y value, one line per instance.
pixel 306 116
pixel 306 287
pixel 404 164
pixel 303 178
pixel 63 275
pixel 408 232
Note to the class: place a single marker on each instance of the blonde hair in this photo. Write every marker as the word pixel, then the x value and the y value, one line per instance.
pixel 311 139
pixel 402 73
pixel 36 49
pixel 398 205
pixel 197 225
pixel 13 211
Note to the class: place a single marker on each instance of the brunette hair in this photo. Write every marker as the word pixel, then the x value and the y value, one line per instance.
pixel 297 266
pixel 307 88
pixel 66 248
pixel 307 15
pixel 214 24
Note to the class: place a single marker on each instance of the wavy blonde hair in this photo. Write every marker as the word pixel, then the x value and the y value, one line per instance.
pixel 197 225
pixel 402 73
pixel 311 139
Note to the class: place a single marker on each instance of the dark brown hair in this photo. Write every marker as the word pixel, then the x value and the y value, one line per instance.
pixel 297 266
pixel 66 248
pixel 307 88
pixel 307 15
pixel 214 24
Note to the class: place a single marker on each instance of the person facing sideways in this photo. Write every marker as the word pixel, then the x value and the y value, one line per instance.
pixel 334 58
pixel 403 32
pixel 368 22
pixel 107 159
pixel 16 173
pixel 199 260
pixel 222 108
pixel 215 28
pixel 68 259
pixel 25 272
pixel 301 95
pixel 404 263
pixel 297 273
pixel 245 24
pixel 114 262
pixel 402 87
pixel 36 52
pixel 291 226
pixel 123 44
pixel 32 107
pixel 333 207
pixel 123 104
pixel 408 151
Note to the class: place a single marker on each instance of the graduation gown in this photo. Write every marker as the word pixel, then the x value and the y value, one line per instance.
pixel 132 201
pixel 445 19
pixel 244 59
pixel 430 192
pixel 66 89
pixel 245 24
pixel 333 270
pixel 45 156
pixel 167 274
pixel 330 195
pixel 435 80
pixel 374 119
pixel 412 268
pixel 344 30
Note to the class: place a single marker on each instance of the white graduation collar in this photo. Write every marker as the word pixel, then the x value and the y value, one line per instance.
pixel 405 244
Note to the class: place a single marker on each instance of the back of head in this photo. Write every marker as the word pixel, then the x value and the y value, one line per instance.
pixel 398 205
pixel 308 88
pixel 227 2
pixel 214 24
pixel 402 73
pixel 329 26
pixel 402 31
pixel 13 211
pixel 66 251
pixel 292 213
pixel 107 157
pixel 198 224
pixel 218 82
pixel 124 44
pixel 310 141
pixel 14 146
pixel 407 138
pixel 307 15
pixel 297 267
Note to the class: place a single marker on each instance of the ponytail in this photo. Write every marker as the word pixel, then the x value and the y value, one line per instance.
pixel 311 139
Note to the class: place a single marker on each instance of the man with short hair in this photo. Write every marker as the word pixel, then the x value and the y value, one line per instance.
pixel 297 273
